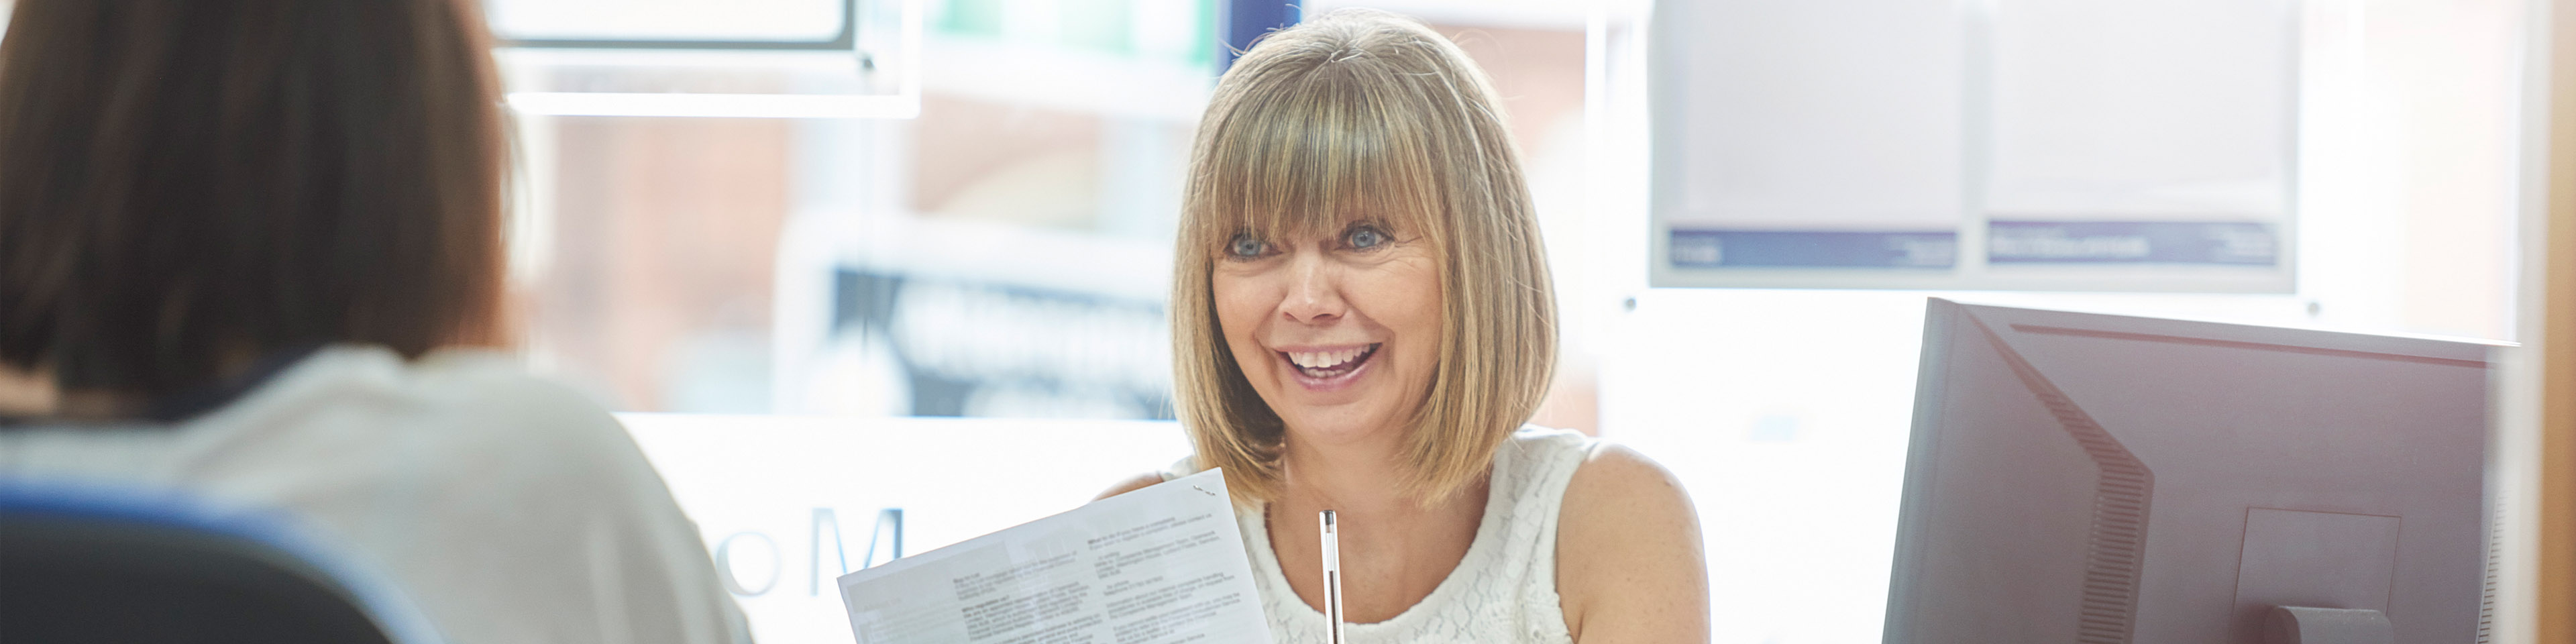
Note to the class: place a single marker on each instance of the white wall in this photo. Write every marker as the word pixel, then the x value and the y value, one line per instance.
pixel 1786 412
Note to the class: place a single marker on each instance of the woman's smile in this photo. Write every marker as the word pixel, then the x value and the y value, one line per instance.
pixel 1327 368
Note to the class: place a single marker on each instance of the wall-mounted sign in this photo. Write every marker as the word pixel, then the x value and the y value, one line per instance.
pixel 2029 144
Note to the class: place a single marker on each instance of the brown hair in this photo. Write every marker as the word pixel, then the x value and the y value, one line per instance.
pixel 184 180
pixel 1366 111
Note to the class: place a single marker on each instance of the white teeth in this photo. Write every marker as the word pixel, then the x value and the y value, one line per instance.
pixel 1323 359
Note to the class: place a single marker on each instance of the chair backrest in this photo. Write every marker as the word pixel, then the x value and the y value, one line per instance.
pixel 84 564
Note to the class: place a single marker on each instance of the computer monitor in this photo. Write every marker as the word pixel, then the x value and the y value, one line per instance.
pixel 2107 479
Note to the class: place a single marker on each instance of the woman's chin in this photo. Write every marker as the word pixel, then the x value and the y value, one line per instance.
pixel 1339 426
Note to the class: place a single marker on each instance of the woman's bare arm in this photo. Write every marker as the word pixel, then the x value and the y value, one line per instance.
pixel 24 393
pixel 1628 561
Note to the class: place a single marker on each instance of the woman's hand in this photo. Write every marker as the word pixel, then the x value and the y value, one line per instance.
pixel 1628 563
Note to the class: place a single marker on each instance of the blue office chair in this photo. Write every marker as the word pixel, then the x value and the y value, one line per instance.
pixel 87 564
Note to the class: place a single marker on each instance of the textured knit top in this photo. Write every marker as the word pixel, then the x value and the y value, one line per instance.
pixel 507 508
pixel 1504 590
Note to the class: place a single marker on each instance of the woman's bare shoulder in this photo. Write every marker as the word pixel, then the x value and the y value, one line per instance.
pixel 1615 471
pixel 1141 481
pixel 1629 560
pixel 1617 490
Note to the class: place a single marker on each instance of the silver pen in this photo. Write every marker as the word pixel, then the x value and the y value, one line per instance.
pixel 1332 580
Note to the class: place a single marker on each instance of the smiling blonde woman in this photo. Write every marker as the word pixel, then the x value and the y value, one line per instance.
pixel 1363 322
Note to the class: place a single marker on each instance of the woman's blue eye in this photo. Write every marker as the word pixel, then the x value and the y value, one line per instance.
pixel 1365 237
pixel 1244 246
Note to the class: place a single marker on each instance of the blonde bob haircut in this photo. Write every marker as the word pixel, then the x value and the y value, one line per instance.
pixel 1366 115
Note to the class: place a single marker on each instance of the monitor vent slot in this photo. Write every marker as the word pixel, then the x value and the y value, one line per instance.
pixel 2494 572
pixel 2116 549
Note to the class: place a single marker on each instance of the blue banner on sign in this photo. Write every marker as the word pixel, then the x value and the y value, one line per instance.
pixel 2233 243
pixel 1812 249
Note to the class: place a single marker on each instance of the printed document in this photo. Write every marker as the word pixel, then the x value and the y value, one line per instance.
pixel 1161 565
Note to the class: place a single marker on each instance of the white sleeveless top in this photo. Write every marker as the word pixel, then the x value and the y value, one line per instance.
pixel 1504 590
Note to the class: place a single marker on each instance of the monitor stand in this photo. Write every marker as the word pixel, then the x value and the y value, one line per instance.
pixel 2298 625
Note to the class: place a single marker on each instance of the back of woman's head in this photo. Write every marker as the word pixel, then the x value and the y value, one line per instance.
pixel 187 182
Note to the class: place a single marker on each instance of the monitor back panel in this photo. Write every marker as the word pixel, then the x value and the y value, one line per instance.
pixel 2095 478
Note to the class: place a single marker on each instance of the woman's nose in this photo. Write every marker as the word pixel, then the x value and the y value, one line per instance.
pixel 1314 290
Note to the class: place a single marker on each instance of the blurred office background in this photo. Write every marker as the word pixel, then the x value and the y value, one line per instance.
pixel 1003 253
pixel 973 219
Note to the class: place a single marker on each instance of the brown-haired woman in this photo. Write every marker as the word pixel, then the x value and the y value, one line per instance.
pixel 1362 321
pixel 246 248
